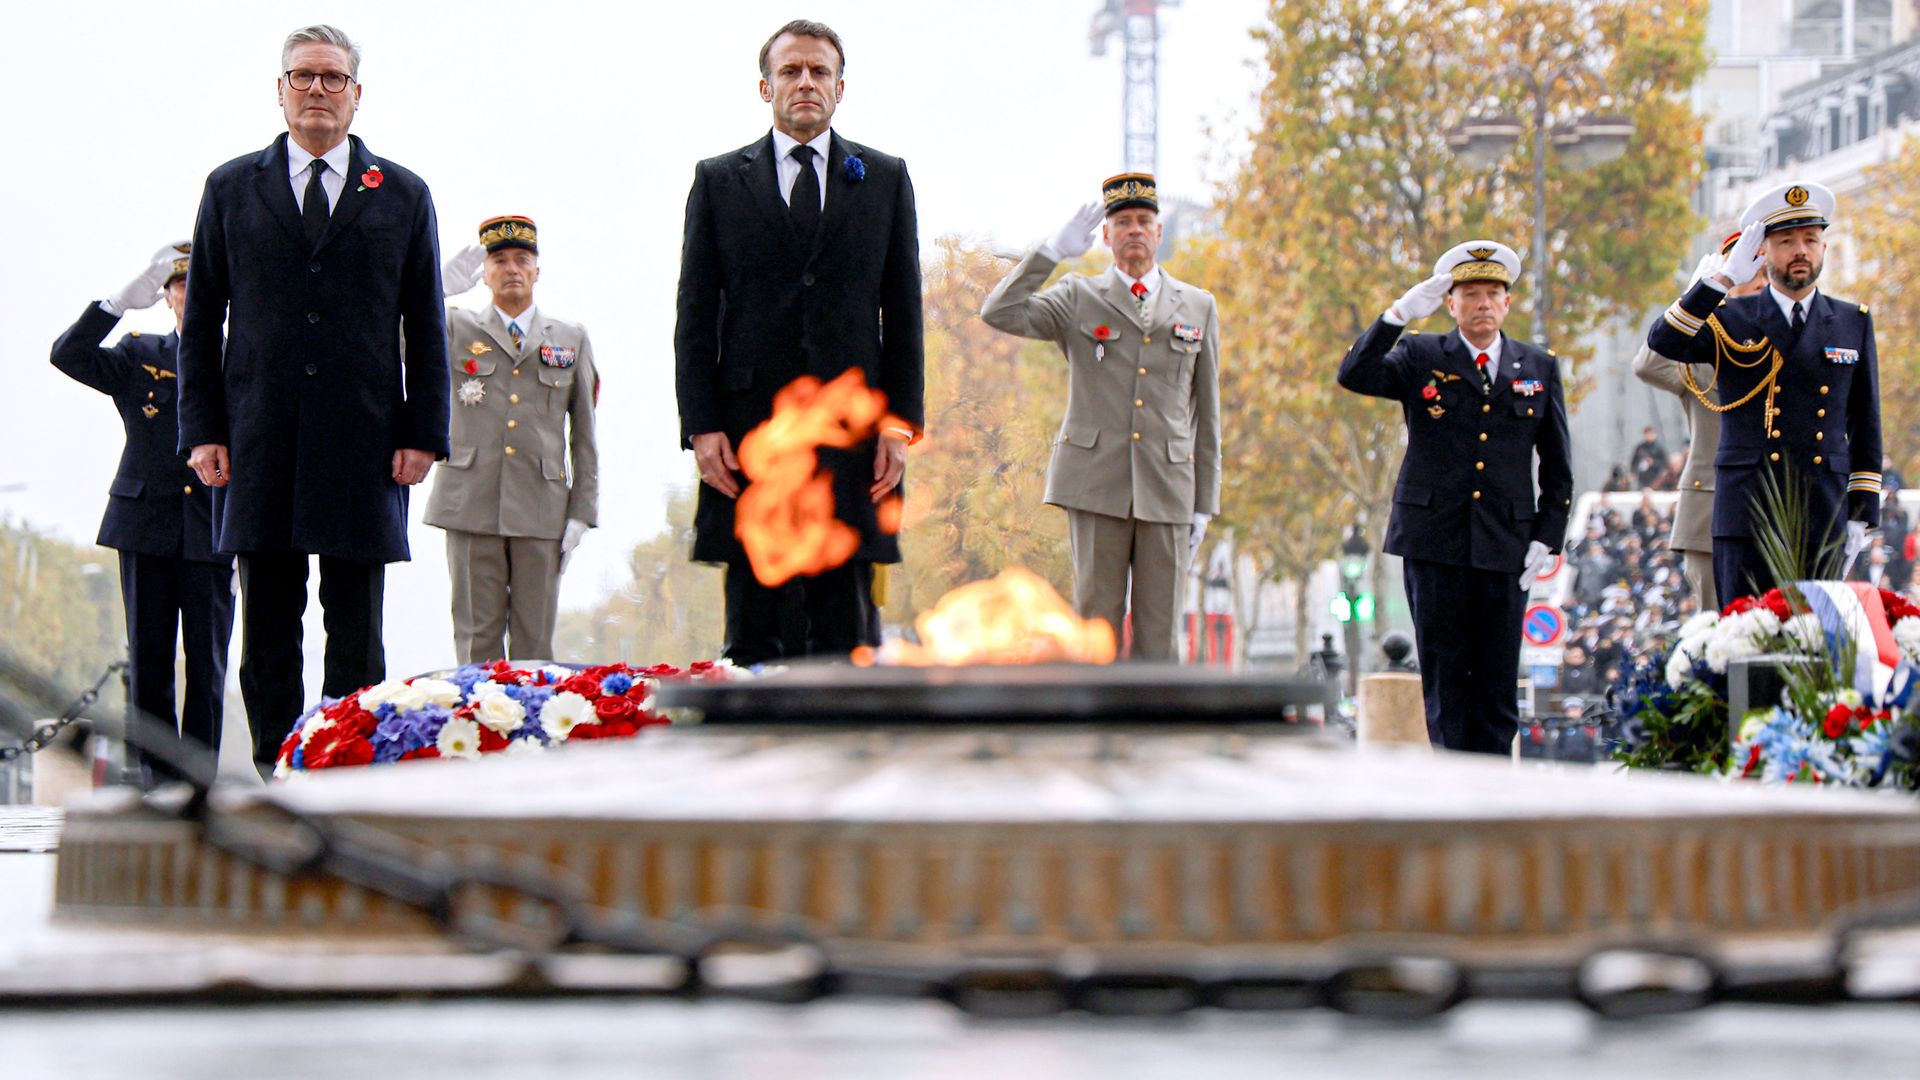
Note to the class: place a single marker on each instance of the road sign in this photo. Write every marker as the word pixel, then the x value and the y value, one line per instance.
pixel 1543 625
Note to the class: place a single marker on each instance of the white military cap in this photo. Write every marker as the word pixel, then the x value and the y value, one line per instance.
pixel 1791 205
pixel 1480 260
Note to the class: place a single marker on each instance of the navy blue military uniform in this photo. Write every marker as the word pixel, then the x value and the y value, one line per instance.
pixel 1816 422
pixel 159 518
pixel 1465 510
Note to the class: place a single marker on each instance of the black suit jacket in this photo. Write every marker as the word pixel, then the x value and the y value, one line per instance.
pixel 316 390
pixel 1827 430
pixel 760 306
pixel 156 505
pixel 1465 495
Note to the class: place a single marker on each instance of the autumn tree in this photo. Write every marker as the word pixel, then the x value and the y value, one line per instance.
pixel 61 605
pixel 1883 228
pixel 1348 193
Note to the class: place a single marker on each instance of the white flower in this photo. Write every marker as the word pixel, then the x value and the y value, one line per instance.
pixel 523 746
pixel 380 693
pixel 1906 634
pixel 1805 632
pixel 500 712
pixel 459 738
pixel 409 698
pixel 471 391
pixel 438 691
pixel 564 710
pixel 484 689
pixel 319 723
pixel 1699 624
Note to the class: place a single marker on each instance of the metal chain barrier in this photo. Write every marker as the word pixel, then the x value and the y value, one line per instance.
pixel 44 735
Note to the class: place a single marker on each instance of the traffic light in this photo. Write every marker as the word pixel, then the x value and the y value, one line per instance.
pixel 1341 607
pixel 1363 607
pixel 1353 566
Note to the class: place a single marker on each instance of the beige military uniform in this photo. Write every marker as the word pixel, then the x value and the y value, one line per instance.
pixel 1138 453
pixel 1693 518
pixel 521 416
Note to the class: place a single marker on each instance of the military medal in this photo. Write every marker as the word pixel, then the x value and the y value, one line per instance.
pixel 1188 334
pixel 1837 355
pixel 556 357
pixel 472 391
pixel 1101 335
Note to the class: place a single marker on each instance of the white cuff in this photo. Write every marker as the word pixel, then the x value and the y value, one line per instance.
pixel 1045 251
pixel 1390 319
pixel 1713 279
pixel 111 308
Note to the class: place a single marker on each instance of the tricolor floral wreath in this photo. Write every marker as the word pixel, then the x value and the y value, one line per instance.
pixel 482 709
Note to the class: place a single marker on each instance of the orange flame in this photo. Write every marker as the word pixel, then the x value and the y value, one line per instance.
pixel 785 518
pixel 1015 618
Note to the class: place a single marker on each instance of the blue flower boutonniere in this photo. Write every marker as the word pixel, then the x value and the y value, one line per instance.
pixel 856 169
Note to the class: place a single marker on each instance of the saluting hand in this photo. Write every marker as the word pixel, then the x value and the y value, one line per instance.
pixel 462 271
pixel 1076 236
pixel 1422 300
pixel 1745 258
pixel 144 291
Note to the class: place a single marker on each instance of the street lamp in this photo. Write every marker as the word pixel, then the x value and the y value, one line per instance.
pixel 1589 141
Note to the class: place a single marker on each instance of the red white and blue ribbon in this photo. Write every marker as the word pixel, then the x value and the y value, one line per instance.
pixel 1852 611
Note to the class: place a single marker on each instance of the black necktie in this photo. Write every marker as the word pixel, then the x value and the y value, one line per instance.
pixel 1799 321
pixel 804 203
pixel 313 209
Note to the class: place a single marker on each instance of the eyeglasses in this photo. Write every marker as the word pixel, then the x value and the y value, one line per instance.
pixel 333 81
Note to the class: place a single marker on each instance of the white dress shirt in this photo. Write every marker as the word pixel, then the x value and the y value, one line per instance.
pixel 333 181
pixel 1492 351
pixel 1786 303
pixel 525 319
pixel 1151 280
pixel 786 169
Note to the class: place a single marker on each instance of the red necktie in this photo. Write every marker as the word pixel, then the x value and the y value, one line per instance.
pixel 1140 295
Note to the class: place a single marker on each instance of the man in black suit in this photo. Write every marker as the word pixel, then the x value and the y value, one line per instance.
pixel 323 259
pixel 1467 519
pixel 159 516
pixel 801 257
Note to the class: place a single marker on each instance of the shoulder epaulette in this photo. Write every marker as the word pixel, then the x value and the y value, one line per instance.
pixel 1863 309
pixel 133 333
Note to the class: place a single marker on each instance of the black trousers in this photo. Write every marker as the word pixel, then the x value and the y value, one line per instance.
pixel 825 615
pixel 163 595
pixel 273 597
pixel 1466 625
pixel 1738 569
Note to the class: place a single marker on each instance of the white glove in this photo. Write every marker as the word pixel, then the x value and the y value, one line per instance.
pixel 1420 301
pixel 1745 258
pixel 1197 533
pixel 571 539
pixel 1537 559
pixel 1076 236
pixel 144 291
pixel 1856 539
pixel 462 272
pixel 1708 266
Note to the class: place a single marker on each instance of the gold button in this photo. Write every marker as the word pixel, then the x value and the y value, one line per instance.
pixel 1483 436
pixel 513 423
pixel 1146 341
pixel 1816 459
pixel 1136 436
pixel 1819 412
pixel 1478 465
pixel 188 490
pixel 1773 434
pixel 1775 456
pixel 1696 483
pixel 1818 435
pixel 1529 412
pixel 516 371
pixel 1823 389
pixel 1486 408
pixel 1143 371
pixel 1476 494
pixel 149 393
pixel 513 399
pixel 510 452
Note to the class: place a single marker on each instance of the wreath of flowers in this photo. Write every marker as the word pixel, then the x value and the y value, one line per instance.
pixel 482 709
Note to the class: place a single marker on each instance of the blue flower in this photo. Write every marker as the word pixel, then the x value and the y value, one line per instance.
pixel 619 682
pixel 407 732
pixel 856 169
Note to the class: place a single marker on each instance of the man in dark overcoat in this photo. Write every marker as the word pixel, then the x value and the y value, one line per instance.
pixel 1473 527
pixel 331 398
pixel 801 257
pixel 174 586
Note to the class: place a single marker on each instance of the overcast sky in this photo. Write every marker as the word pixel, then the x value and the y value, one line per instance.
pixel 587 118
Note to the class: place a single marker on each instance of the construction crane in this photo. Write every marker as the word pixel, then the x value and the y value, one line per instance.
pixel 1138 24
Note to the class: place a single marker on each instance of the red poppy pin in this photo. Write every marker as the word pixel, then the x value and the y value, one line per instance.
pixel 1103 332
pixel 372 178
pixel 1428 391
pixel 1139 289
pixel 471 367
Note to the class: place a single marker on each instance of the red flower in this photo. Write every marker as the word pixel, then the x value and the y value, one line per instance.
pixel 287 746
pixel 1139 288
pixel 427 751
pixel 1103 332
pixel 372 178
pixel 1429 391
pixel 583 684
pixel 491 741
pixel 615 729
pixel 615 708
pixel 359 724
pixel 471 367
pixel 333 748
pixel 1753 762
pixel 1739 605
pixel 701 667
pixel 1898 607
pixel 1839 718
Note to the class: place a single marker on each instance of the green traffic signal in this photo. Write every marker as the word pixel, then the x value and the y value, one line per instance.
pixel 1341 607
pixel 1363 607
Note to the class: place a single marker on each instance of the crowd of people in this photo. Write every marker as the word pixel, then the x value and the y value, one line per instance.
pixel 1629 597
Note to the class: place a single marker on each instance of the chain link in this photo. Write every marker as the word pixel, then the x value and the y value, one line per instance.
pixel 44 735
